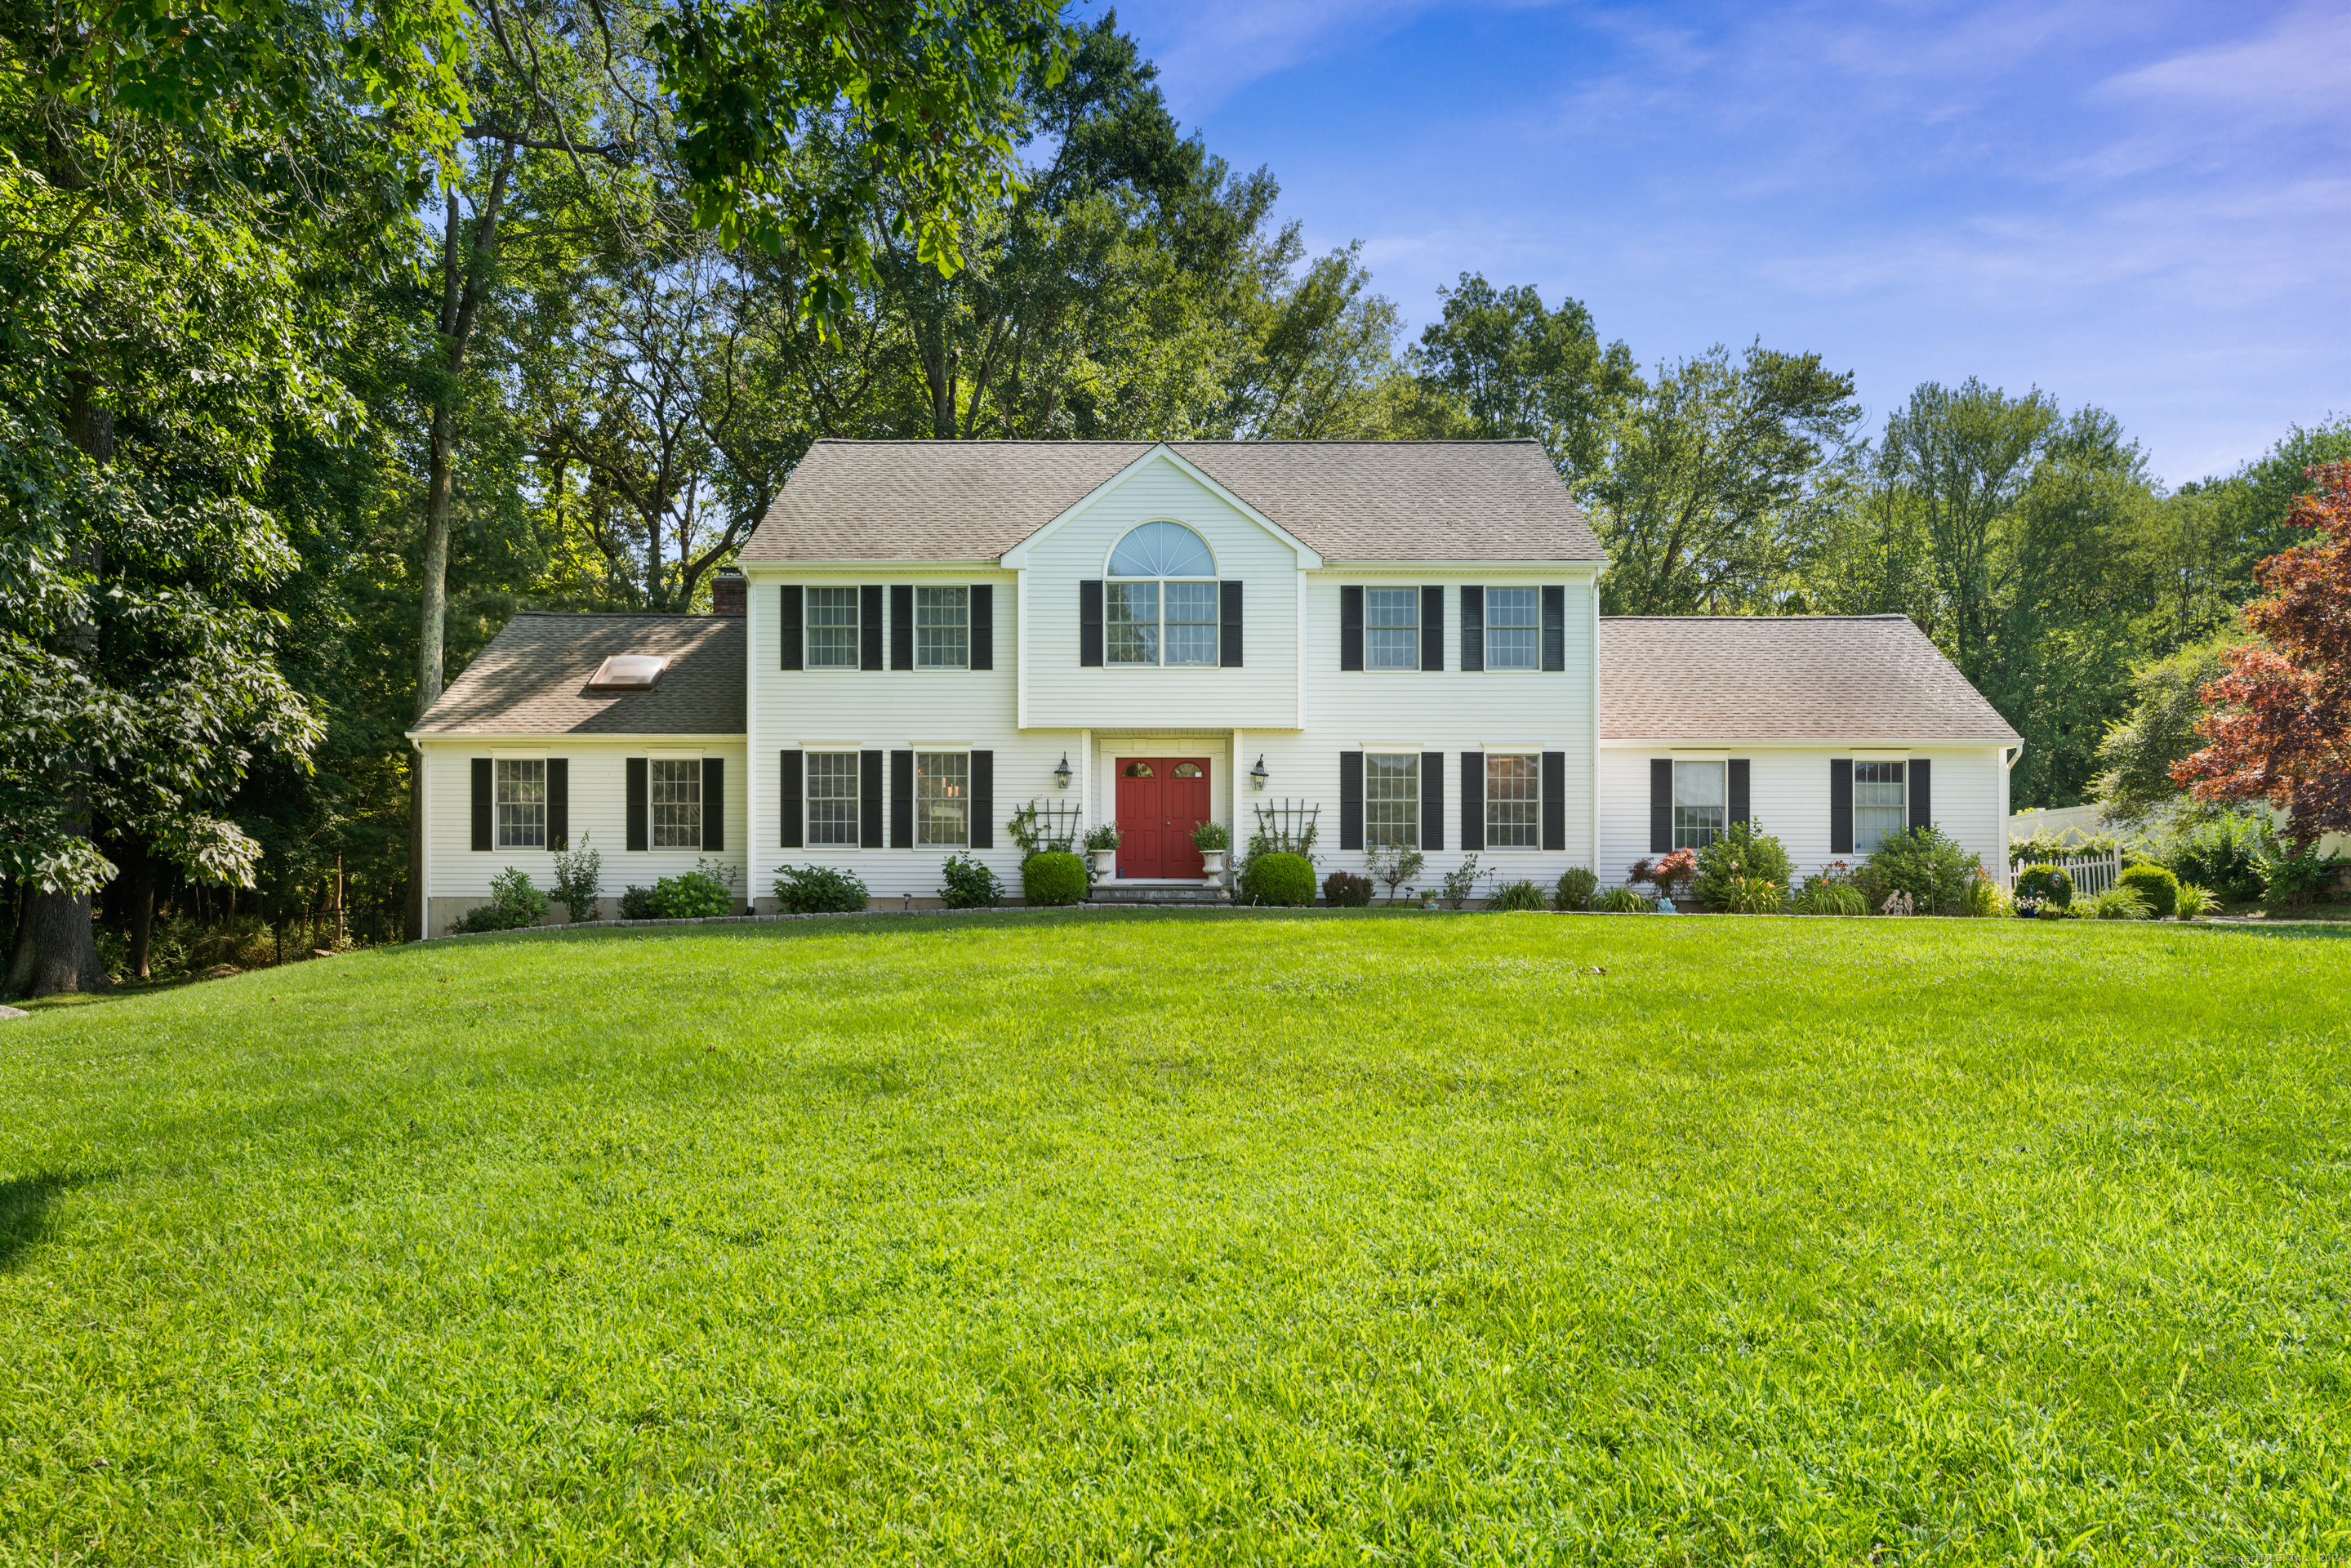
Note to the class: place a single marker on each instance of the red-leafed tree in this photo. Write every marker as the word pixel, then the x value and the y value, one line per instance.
pixel 2280 728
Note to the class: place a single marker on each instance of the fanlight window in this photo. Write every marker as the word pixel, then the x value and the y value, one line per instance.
pixel 1162 549
pixel 1188 770
pixel 1140 770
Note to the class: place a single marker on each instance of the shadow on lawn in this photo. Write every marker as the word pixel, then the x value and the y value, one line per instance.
pixel 24 1211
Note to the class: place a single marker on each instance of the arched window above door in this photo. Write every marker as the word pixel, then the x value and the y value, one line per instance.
pixel 1162 549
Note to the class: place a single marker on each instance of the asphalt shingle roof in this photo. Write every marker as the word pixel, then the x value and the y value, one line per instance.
pixel 1350 500
pixel 1794 677
pixel 533 678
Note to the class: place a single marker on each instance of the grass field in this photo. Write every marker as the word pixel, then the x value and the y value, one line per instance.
pixel 1115 1240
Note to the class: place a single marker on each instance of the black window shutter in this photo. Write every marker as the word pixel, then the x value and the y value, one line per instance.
pixel 869 626
pixel 559 803
pixel 1432 800
pixel 901 625
pixel 483 816
pixel 983 625
pixel 1554 628
pixel 1661 805
pixel 1841 806
pixel 1089 623
pixel 714 803
pixel 1473 630
pixel 1432 629
pixel 1473 800
pixel 1554 799
pixel 794 811
pixel 640 832
pixel 870 820
pixel 1921 799
pixel 1738 801
pixel 1351 632
pixel 788 630
pixel 982 800
pixel 1351 798
pixel 1229 629
pixel 902 799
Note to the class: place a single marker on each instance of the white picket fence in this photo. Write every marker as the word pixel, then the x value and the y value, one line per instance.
pixel 2092 875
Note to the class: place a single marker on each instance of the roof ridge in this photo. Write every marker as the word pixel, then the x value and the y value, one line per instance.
pixel 1171 441
pixel 1893 616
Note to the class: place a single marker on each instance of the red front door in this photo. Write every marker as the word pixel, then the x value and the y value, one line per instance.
pixel 1160 801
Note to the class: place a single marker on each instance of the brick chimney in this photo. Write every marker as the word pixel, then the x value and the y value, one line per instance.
pixel 730 591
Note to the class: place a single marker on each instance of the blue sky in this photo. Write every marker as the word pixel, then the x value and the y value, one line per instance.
pixel 2143 206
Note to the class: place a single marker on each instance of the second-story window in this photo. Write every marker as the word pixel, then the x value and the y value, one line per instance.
pixel 832 628
pixel 1159 605
pixel 1510 628
pixel 942 627
pixel 1392 628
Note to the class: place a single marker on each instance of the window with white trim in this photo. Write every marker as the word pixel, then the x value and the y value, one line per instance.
pixel 677 803
pixel 1702 803
pixel 942 796
pixel 943 628
pixel 832 789
pixel 1392 799
pixel 1880 805
pixel 1513 801
pixel 521 803
pixel 1159 601
pixel 1392 628
pixel 1511 629
pixel 831 628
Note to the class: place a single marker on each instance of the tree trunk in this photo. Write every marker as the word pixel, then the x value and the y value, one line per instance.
pixel 56 949
pixel 142 914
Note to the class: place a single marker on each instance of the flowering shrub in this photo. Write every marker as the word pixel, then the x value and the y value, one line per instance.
pixel 1675 871
pixel 1743 872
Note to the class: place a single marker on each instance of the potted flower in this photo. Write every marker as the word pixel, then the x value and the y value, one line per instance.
pixel 1101 846
pixel 1213 840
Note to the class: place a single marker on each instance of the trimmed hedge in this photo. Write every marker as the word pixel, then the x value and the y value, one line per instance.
pixel 1346 890
pixel 1285 880
pixel 1053 876
pixel 2048 883
pixel 2156 888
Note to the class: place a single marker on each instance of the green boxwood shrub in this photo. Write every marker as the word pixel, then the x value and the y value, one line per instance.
pixel 1513 897
pixel 1056 876
pixel 1346 890
pixel 637 903
pixel 705 891
pixel 819 890
pixel 1577 887
pixel 1280 879
pixel 1731 869
pixel 2046 884
pixel 2156 888
pixel 514 903
pixel 966 882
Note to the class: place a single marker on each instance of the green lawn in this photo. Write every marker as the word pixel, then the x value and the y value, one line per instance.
pixel 1104 1239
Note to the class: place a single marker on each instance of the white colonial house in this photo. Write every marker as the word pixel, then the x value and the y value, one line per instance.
pixel 1397 641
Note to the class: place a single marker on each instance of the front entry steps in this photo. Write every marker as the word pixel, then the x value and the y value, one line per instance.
pixel 1160 895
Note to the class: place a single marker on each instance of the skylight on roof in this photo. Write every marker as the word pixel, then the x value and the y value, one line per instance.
pixel 628 673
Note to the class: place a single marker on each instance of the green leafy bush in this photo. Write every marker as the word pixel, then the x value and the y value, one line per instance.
pixel 1460 883
pixel 1395 864
pixel 2193 902
pixel 2043 887
pixel 966 882
pixel 1825 895
pixel 1101 837
pixel 1211 836
pixel 2117 902
pixel 1284 880
pixel 1346 890
pixel 707 890
pixel 1621 901
pixel 2293 877
pixel 1055 876
pixel 637 903
pixel 2156 888
pixel 2222 854
pixel 514 903
pixel 1926 863
pixel 579 878
pixel 1984 899
pixel 819 890
pixel 1511 897
pixel 1731 868
pixel 1577 886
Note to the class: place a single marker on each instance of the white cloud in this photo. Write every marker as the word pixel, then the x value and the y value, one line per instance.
pixel 2293 72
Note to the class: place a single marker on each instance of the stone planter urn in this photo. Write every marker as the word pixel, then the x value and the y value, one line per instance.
pixel 1212 861
pixel 1105 863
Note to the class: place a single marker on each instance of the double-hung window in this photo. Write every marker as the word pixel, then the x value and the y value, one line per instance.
pixel 521 803
pixel 1392 798
pixel 1159 602
pixel 1880 807
pixel 1511 628
pixel 1702 803
pixel 943 798
pixel 1392 628
pixel 943 628
pixel 677 803
pixel 1513 801
pixel 831 628
pixel 832 798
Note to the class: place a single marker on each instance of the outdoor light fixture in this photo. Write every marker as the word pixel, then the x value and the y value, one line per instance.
pixel 1258 775
pixel 1061 774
